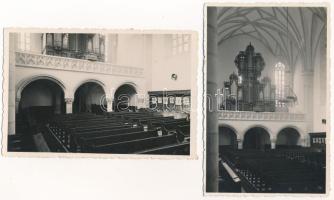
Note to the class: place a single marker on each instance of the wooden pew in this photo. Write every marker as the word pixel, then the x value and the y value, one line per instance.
pixel 173 149
pixel 76 138
pixel 69 136
pixel 183 132
pixel 134 146
pixel 87 143
pixel 272 172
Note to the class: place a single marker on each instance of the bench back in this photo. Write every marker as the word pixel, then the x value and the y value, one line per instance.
pixel 136 145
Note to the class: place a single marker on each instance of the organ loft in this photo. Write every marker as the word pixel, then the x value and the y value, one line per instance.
pixel 244 91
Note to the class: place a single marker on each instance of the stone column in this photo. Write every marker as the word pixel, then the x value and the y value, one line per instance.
pixel 305 141
pixel 273 143
pixel 109 104
pixel 239 144
pixel 17 103
pixel 308 99
pixel 69 105
pixel 323 108
pixel 141 101
pixel 212 140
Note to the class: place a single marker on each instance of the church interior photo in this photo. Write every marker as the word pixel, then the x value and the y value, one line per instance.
pixel 266 125
pixel 100 92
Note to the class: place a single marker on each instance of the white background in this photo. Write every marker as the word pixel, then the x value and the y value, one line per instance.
pixel 82 178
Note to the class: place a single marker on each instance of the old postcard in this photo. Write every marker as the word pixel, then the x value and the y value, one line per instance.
pixel 267 102
pixel 99 93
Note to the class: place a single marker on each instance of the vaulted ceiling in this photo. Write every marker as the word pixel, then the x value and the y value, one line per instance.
pixel 288 33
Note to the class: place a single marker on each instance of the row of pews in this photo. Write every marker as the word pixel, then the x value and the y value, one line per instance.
pixel 278 171
pixel 120 133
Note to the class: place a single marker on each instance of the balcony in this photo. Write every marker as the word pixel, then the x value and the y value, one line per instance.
pixel 260 116
pixel 27 59
pixel 77 54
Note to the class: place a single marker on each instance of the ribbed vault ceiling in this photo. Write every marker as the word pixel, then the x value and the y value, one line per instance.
pixel 288 33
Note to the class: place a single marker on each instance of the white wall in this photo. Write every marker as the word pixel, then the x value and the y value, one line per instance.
pixel 154 54
pixel 36 42
pixel 320 89
pixel 165 64
pixel 131 50
pixel 298 88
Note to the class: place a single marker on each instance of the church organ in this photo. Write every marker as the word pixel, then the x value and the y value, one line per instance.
pixel 80 46
pixel 245 92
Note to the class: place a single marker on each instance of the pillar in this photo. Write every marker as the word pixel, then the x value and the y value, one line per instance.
pixel 240 143
pixel 141 100
pixel 69 105
pixel 308 99
pixel 305 142
pixel 273 144
pixel 17 104
pixel 212 140
pixel 109 104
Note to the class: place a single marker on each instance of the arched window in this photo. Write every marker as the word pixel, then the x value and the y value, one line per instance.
pixel 280 82
pixel 180 43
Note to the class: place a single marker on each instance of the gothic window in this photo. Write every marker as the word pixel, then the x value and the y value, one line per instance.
pixel 280 82
pixel 180 43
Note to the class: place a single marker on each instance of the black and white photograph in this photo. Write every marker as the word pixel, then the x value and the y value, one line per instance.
pixel 267 99
pixel 100 92
pixel 166 100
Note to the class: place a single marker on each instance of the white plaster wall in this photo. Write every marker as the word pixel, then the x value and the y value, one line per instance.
pixel 164 64
pixel 36 42
pixel 154 54
pixel 298 89
pixel 131 50
pixel 320 89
